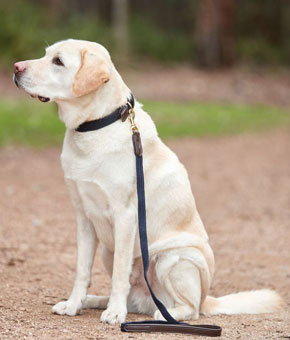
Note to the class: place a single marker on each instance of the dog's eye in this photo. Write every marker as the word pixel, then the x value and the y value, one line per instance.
pixel 57 61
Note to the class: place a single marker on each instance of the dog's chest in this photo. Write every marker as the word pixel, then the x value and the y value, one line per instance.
pixel 102 187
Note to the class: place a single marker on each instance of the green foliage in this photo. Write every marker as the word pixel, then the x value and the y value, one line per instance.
pixel 31 123
pixel 150 41
pixel 263 31
pixel 163 30
pixel 259 51
pixel 26 29
pixel 18 30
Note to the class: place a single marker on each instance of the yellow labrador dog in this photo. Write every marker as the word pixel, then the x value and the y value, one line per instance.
pixel 99 168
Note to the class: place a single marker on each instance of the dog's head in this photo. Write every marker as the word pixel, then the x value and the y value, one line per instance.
pixel 69 69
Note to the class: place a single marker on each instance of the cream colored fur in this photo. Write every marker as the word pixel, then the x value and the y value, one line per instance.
pixel 99 168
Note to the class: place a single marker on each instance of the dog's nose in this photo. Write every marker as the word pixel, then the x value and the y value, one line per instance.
pixel 19 67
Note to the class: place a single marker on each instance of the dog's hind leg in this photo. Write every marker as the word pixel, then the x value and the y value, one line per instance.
pixel 181 281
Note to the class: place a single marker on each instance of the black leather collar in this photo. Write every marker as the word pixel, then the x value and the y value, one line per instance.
pixel 120 113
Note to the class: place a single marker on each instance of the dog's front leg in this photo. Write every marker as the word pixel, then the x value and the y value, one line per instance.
pixel 87 241
pixel 125 231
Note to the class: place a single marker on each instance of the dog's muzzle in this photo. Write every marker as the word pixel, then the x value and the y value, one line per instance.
pixel 16 78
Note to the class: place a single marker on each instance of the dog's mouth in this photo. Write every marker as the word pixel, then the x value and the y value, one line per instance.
pixel 18 84
pixel 41 98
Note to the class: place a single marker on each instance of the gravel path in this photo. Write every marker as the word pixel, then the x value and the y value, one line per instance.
pixel 242 189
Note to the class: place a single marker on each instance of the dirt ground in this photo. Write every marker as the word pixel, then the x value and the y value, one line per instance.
pixel 241 185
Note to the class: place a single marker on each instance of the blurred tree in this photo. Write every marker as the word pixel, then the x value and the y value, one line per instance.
pixel 104 9
pixel 53 8
pixel 120 28
pixel 215 32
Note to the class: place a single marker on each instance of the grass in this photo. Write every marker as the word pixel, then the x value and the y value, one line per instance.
pixel 214 119
pixel 31 123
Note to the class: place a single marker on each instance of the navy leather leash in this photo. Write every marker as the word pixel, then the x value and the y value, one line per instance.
pixel 170 325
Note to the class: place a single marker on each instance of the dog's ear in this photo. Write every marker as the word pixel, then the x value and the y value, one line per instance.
pixel 92 73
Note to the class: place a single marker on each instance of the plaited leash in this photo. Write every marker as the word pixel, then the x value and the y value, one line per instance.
pixel 170 325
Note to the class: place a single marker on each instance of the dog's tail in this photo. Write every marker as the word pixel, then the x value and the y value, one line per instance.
pixel 250 302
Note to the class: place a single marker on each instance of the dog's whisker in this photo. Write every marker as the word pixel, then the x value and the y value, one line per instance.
pixel 46 42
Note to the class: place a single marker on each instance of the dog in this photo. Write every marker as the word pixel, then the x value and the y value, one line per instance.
pixel 99 169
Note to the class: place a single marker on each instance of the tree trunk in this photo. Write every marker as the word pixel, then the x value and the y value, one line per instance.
pixel 120 28
pixel 215 32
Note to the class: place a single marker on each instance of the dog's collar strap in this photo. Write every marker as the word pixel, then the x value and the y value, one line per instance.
pixel 121 112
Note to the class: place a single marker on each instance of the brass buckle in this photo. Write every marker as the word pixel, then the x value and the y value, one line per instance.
pixel 131 118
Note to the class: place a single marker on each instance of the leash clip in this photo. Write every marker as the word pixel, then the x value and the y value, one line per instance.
pixel 131 117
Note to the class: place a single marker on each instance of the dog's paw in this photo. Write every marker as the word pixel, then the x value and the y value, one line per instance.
pixel 114 315
pixel 68 307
